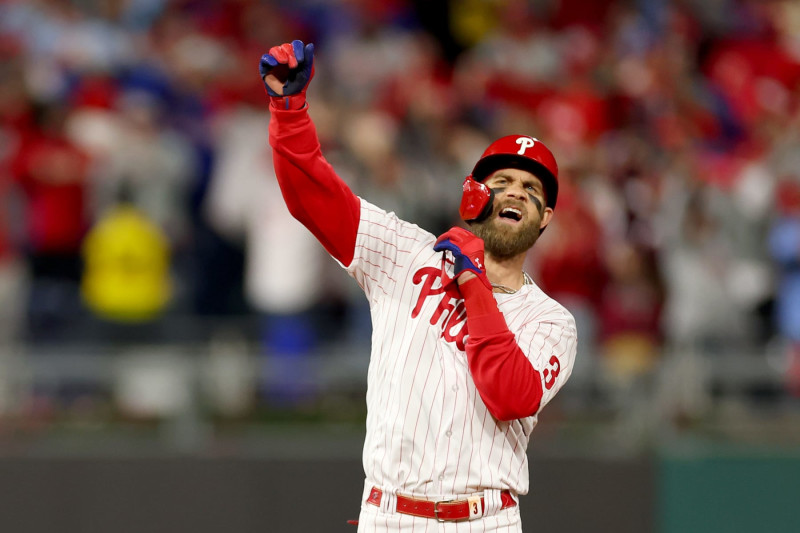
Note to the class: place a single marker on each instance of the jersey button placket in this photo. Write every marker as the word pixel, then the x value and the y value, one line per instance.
pixel 446 454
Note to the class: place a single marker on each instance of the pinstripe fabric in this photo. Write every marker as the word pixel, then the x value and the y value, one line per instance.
pixel 429 435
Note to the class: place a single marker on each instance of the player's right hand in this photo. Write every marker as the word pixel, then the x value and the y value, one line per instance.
pixel 286 71
pixel 467 251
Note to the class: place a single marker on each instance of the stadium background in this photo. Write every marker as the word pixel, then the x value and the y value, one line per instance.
pixel 176 354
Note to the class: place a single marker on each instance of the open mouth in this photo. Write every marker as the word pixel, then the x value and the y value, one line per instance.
pixel 510 214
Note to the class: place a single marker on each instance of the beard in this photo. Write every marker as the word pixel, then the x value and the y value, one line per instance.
pixel 503 241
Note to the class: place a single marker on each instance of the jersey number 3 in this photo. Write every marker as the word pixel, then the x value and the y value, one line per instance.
pixel 551 372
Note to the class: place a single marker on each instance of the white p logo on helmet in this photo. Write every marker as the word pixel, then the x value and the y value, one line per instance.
pixel 525 143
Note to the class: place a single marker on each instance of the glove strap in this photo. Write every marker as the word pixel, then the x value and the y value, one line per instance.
pixel 293 102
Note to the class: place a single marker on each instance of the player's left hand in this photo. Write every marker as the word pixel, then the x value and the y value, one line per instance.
pixel 467 250
pixel 287 70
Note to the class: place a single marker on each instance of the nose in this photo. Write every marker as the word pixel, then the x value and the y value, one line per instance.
pixel 516 190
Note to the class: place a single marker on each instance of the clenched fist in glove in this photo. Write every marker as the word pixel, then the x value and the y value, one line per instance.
pixel 287 70
pixel 467 250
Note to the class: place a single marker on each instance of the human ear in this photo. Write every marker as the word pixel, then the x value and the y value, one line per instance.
pixel 547 215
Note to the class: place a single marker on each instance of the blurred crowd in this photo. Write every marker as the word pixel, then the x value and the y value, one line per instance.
pixel 138 196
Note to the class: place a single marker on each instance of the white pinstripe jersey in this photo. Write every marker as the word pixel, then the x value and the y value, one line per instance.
pixel 429 434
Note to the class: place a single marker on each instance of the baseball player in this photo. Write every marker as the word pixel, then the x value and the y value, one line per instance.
pixel 466 349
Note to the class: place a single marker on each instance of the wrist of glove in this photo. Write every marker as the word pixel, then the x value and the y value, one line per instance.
pixel 467 251
pixel 294 102
pixel 286 72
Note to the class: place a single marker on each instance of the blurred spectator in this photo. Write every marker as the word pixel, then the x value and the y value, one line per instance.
pixel 151 161
pixel 127 265
pixel 630 313
pixel 52 173
pixel 701 314
pixel 784 243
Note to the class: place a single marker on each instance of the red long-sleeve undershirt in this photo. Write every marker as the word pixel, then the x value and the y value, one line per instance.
pixel 313 192
pixel 508 383
pixel 315 195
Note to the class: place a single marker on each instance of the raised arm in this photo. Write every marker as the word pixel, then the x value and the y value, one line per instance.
pixel 313 192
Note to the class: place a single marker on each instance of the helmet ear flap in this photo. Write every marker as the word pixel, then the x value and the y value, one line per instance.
pixel 476 201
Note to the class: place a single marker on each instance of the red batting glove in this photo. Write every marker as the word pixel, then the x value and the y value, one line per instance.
pixel 467 251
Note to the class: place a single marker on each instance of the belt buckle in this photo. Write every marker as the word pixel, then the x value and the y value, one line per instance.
pixel 436 510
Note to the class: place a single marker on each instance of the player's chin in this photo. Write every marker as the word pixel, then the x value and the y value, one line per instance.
pixel 507 240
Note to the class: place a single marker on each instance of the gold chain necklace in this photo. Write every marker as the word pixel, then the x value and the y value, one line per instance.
pixel 508 290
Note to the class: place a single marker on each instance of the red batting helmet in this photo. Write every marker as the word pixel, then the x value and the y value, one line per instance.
pixel 525 153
